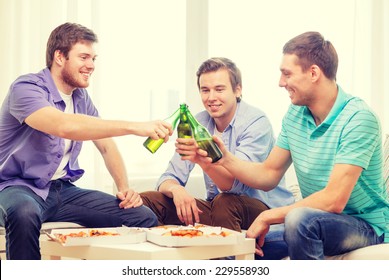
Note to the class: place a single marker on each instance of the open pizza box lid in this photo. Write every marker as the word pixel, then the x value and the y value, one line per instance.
pixel 106 236
pixel 161 235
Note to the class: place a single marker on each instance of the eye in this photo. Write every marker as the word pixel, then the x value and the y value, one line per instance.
pixel 285 74
pixel 204 90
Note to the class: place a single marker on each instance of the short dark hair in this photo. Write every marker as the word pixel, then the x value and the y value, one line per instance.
pixel 64 37
pixel 311 48
pixel 216 63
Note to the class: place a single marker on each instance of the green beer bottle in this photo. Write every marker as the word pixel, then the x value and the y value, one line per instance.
pixel 153 145
pixel 183 128
pixel 204 138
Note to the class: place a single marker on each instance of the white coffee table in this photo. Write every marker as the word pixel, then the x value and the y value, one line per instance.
pixel 147 251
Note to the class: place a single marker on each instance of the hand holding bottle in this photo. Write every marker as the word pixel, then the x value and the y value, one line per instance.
pixel 203 138
pixel 155 141
pixel 189 150
pixel 219 143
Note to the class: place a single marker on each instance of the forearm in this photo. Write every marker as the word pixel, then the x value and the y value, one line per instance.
pixel 167 187
pixel 113 162
pixel 219 175
pixel 253 174
pixel 83 127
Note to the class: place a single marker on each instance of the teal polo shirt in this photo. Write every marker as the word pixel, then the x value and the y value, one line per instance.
pixel 350 134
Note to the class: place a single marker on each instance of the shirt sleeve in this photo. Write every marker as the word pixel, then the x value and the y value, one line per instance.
pixel 25 99
pixel 178 170
pixel 359 139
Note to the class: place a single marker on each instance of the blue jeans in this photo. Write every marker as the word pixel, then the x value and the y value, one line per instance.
pixel 275 247
pixel 22 213
pixel 311 234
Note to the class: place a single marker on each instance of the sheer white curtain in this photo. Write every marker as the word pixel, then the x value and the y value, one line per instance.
pixel 149 51
pixel 140 69
pixel 253 33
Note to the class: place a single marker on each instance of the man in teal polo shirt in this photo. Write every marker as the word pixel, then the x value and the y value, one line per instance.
pixel 334 142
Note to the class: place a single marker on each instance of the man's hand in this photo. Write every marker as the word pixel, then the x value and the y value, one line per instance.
pixel 258 229
pixel 129 199
pixel 190 150
pixel 185 205
pixel 154 129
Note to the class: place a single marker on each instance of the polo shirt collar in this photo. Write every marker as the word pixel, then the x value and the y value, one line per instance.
pixel 341 101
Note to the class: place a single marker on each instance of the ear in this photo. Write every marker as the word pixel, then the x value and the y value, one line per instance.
pixel 58 58
pixel 315 72
pixel 238 91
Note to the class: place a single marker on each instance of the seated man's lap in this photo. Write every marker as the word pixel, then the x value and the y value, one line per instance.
pixel 235 212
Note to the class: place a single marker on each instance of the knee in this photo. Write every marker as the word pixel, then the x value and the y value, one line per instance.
pixel 152 197
pixel 146 217
pixel 298 216
pixel 299 220
pixel 25 216
pixel 222 200
pixel 224 206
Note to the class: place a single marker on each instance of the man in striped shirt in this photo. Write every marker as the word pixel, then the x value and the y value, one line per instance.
pixel 334 141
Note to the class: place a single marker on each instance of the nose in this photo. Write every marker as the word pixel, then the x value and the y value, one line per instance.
pixel 90 64
pixel 281 82
pixel 212 94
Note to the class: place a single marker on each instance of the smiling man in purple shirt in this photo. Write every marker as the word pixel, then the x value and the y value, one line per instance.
pixel 43 121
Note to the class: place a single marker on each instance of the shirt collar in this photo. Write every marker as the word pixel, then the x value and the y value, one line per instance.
pixel 341 101
pixel 231 124
pixel 77 93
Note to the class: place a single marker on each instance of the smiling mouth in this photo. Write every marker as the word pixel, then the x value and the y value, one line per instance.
pixel 86 76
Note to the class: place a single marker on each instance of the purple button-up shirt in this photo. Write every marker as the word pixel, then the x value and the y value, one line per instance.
pixel 29 157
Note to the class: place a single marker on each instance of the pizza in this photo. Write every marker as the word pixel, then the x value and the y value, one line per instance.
pixel 184 233
pixel 91 233
pixel 194 232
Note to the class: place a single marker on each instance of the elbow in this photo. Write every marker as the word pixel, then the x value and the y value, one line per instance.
pixel 336 206
pixel 66 131
pixel 336 210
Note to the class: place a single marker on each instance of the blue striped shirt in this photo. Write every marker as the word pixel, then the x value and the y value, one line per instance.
pixel 350 134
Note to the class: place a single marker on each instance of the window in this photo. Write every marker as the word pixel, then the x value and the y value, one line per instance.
pixel 139 76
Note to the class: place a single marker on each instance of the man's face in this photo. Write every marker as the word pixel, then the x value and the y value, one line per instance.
pixel 78 68
pixel 218 97
pixel 295 81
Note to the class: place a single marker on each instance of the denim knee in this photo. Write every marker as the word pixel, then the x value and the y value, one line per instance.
pixel 141 216
pixel 26 216
pixel 297 219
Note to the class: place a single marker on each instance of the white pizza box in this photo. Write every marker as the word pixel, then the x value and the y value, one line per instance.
pixel 211 236
pixel 126 235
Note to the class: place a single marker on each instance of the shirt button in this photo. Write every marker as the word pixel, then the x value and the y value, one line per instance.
pixel 58 156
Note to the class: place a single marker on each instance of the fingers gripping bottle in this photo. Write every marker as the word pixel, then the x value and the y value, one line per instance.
pixel 153 145
pixel 204 138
